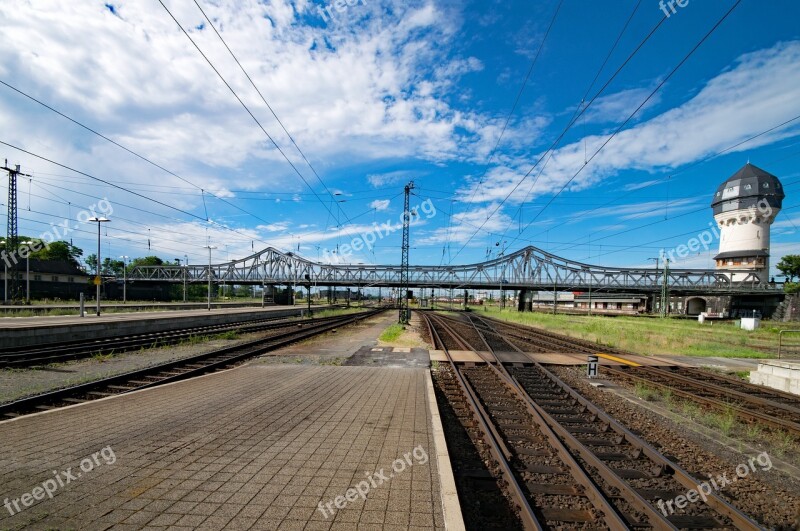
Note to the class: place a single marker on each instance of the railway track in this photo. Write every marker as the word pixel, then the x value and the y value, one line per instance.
pixel 750 403
pixel 591 468
pixel 178 370
pixel 44 354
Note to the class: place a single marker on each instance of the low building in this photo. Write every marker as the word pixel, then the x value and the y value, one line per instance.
pixel 50 280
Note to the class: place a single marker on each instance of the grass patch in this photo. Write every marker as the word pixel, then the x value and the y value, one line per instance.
pixel 645 392
pixel 100 357
pixel 650 336
pixel 230 334
pixel 392 333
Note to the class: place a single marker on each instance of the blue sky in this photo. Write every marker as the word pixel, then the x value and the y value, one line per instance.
pixel 384 92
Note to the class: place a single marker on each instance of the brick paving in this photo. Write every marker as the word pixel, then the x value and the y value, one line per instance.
pixel 256 447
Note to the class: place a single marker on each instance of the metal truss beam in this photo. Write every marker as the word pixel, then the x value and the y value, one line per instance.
pixel 528 268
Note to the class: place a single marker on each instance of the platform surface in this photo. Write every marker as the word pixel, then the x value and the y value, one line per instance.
pixel 256 447
pixel 90 318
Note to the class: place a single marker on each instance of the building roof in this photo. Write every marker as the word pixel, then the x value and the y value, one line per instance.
pixel 55 267
pixel 741 254
pixel 745 188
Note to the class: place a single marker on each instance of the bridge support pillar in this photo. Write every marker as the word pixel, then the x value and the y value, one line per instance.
pixel 466 299
pixel 523 294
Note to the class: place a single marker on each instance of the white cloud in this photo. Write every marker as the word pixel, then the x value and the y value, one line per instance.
pixel 464 224
pixel 729 108
pixel 380 204
pixel 618 106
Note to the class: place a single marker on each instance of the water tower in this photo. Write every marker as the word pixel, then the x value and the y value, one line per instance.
pixel 745 206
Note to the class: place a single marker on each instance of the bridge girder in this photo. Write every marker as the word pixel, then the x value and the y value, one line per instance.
pixel 529 268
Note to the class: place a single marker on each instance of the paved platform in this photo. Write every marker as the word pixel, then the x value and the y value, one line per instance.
pixel 44 321
pixel 26 331
pixel 260 446
pixel 390 357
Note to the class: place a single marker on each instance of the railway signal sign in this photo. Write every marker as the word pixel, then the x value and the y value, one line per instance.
pixel 591 369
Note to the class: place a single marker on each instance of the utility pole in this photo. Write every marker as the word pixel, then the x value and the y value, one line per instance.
pixel 12 234
pixel 404 262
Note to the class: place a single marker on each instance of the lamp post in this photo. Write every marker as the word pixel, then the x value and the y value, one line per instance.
pixel 97 280
pixel 209 247
pixel 185 275
pixel 124 279
pixel 27 271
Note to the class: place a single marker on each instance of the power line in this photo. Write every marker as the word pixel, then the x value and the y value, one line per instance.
pixel 583 100
pixel 574 244
pixel 568 127
pixel 630 117
pixel 638 108
pixel 121 146
pixel 269 107
pixel 244 105
pixel 519 96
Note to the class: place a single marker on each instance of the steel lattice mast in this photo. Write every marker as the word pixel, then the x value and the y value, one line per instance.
pixel 12 234
pixel 404 317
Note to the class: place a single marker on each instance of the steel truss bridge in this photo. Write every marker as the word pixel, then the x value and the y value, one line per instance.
pixel 527 269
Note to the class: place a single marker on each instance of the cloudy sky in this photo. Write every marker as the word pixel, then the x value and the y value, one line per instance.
pixel 594 130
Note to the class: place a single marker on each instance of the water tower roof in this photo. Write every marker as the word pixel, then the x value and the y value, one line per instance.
pixel 746 187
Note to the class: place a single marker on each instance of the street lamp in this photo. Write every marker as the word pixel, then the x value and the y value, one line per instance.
pixel 97 280
pixel 209 247
pixel 27 271
pixel 124 279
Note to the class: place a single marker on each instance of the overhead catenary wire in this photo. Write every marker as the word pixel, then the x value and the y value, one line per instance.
pixel 638 108
pixel 247 75
pixel 244 106
pixel 569 125
pixel 125 148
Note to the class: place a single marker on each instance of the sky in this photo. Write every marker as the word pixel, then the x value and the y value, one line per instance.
pixel 597 131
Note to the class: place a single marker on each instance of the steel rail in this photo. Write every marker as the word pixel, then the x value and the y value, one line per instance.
pixel 718 389
pixel 741 520
pixel 490 436
pixel 579 475
pixel 737 383
pixel 750 416
pixel 720 405
pixel 209 361
pixel 70 350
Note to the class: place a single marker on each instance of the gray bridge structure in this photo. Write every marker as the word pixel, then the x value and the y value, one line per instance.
pixel 528 269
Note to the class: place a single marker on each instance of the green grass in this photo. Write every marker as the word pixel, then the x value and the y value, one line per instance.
pixel 392 333
pixel 645 392
pixel 102 357
pixel 230 334
pixel 655 336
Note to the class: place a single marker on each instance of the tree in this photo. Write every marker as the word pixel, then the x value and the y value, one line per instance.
pixel 790 266
pixel 57 251
pixel 112 267
pixel 91 262
pixel 147 261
